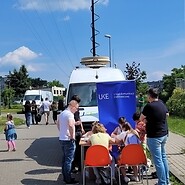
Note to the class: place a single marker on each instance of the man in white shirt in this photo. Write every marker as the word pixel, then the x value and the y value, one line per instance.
pixel 46 107
pixel 66 127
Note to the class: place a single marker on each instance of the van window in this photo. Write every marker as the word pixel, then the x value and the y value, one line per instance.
pixel 32 97
pixel 86 92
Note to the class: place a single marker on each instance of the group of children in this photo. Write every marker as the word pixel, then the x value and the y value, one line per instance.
pixel 123 135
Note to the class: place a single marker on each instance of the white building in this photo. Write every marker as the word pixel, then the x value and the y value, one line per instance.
pixel 57 91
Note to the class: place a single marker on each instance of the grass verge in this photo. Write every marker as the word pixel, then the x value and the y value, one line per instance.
pixel 3 120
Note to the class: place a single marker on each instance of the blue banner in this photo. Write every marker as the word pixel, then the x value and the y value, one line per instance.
pixel 116 99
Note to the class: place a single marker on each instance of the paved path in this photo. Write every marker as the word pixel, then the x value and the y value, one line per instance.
pixel 37 159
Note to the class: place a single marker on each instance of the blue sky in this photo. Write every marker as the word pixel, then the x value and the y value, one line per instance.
pixel 51 36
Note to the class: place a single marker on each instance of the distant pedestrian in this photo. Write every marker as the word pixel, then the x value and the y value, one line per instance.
pixel 27 110
pixel 34 111
pixel 61 106
pixel 54 108
pixel 10 133
pixel 155 113
pixel 140 102
pixel 46 107
pixel 66 127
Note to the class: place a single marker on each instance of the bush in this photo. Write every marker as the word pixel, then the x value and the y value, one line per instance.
pixel 176 103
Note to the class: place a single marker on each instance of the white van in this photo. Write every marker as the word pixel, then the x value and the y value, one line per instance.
pixel 38 96
pixel 83 83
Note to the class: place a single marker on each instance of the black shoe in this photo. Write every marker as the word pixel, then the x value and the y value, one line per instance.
pixel 154 175
pixel 72 182
pixel 75 170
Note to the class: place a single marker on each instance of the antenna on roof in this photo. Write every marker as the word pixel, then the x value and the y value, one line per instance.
pixel 94 31
pixel 95 61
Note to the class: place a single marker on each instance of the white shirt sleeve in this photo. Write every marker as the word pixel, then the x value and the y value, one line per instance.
pixel 121 136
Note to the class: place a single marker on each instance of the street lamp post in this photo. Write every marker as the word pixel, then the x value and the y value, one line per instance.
pixel 109 37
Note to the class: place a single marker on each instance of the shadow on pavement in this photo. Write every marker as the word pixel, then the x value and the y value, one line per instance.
pixel 43 171
pixel 41 182
pixel 11 160
pixel 45 151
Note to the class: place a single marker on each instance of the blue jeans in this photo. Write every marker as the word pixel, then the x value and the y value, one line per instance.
pixel 68 149
pixel 157 150
pixel 28 117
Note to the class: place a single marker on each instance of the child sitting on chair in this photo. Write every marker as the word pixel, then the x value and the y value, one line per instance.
pixel 129 136
pixel 100 137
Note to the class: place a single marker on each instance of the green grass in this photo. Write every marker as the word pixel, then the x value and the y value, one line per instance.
pixel 3 120
pixel 174 180
pixel 14 109
pixel 176 125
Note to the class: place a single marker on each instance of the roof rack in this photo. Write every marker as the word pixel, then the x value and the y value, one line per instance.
pixel 95 61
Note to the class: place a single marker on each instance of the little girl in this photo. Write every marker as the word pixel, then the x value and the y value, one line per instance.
pixel 129 136
pixel 10 133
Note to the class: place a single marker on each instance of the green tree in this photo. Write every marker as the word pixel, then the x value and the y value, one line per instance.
pixel 19 81
pixel 176 103
pixel 38 83
pixel 142 88
pixel 7 96
pixel 169 82
pixel 55 83
pixel 133 72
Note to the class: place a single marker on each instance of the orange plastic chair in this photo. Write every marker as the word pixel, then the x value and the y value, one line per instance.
pixel 132 155
pixel 97 156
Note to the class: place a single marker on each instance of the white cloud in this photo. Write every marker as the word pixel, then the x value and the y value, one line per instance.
pixel 156 75
pixel 56 5
pixel 18 56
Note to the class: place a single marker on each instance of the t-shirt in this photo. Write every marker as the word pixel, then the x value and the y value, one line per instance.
pixel 77 118
pixel 46 105
pixel 131 139
pixel 100 139
pixel 121 137
pixel 27 108
pixel 156 125
pixel 128 138
pixel 64 118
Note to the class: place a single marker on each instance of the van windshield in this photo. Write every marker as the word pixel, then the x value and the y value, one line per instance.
pixel 86 92
pixel 32 97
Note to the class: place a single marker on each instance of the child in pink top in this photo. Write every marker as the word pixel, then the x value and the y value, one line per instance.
pixel 141 129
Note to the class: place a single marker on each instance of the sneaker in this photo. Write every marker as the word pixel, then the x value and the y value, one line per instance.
pixel 14 150
pixel 72 182
pixel 126 179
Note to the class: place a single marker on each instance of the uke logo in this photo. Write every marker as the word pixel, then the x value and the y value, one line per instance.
pixel 103 96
